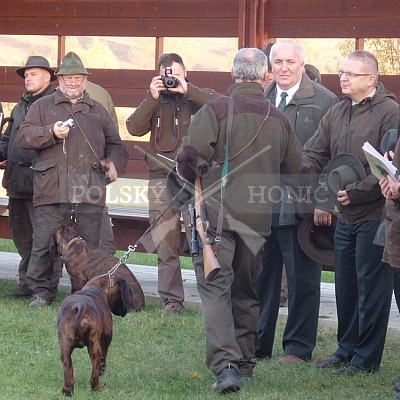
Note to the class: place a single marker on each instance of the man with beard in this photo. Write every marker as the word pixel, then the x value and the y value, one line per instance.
pixel 70 173
pixel 166 111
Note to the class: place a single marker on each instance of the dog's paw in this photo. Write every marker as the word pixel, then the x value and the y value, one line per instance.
pixel 67 391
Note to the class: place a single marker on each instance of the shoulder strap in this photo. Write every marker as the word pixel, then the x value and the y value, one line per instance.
pixel 224 173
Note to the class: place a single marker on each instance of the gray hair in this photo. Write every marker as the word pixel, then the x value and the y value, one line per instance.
pixel 249 64
pixel 367 58
pixel 298 47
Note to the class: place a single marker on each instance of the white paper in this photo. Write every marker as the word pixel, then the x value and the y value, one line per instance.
pixel 380 166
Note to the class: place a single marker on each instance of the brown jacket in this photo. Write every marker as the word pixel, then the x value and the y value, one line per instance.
pixel 166 139
pixel 391 253
pixel 345 130
pixel 69 171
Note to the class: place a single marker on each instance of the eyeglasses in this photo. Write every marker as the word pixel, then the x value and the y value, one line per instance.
pixel 350 74
pixel 71 79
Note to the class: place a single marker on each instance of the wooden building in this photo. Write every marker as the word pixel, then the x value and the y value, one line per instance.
pixel 253 22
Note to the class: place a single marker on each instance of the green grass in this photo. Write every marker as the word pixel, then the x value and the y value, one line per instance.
pixel 134 258
pixel 153 357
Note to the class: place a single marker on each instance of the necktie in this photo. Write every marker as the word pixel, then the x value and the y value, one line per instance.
pixel 282 103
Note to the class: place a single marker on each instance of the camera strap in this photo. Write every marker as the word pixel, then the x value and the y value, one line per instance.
pixel 83 134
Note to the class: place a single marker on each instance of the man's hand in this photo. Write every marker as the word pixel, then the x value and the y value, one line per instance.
pixel 110 170
pixel 157 85
pixel 343 198
pixel 60 132
pixel 3 164
pixel 322 218
pixel 389 188
pixel 182 85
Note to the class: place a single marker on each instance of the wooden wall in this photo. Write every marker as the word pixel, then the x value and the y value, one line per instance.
pixel 254 22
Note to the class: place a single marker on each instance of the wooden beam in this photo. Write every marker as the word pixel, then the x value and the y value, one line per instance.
pixel 172 18
pixel 127 87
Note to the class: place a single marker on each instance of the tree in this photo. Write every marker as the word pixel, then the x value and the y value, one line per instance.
pixel 387 52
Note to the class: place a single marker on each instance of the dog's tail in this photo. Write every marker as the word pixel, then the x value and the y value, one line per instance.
pixel 77 309
pixel 80 309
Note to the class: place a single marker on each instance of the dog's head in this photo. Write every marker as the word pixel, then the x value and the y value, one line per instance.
pixel 118 292
pixel 60 239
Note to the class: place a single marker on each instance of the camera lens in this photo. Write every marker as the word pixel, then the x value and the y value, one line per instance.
pixel 170 82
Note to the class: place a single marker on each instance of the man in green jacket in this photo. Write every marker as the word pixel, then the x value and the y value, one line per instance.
pixel 240 175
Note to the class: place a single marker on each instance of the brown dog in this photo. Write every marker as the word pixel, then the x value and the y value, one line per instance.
pixel 85 319
pixel 84 262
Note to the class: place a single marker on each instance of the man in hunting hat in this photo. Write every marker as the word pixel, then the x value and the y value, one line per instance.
pixel 78 149
pixel 17 162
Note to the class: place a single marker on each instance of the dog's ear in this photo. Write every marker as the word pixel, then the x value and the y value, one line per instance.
pixel 124 302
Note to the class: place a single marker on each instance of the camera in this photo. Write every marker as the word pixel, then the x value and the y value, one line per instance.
pixel 69 122
pixel 169 81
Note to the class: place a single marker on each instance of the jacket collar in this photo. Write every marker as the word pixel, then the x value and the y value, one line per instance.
pixel 247 88
pixel 302 95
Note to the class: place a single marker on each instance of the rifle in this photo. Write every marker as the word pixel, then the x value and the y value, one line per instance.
pixel 210 261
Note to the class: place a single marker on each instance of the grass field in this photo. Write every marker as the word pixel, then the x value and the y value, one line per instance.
pixel 156 357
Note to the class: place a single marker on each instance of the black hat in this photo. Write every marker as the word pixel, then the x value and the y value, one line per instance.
pixel 344 169
pixel 389 140
pixel 179 193
pixel 36 62
pixel 317 241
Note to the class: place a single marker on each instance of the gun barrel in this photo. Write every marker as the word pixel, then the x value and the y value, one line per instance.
pixel 194 243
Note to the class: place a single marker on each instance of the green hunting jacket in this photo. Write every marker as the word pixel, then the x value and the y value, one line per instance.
pixel 262 150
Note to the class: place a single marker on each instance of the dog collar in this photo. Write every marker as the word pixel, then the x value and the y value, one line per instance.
pixel 73 240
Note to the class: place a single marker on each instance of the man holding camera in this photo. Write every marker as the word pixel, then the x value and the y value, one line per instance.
pixel 166 111
pixel 69 174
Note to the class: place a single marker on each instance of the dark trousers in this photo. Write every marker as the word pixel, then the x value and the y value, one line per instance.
pixel 230 304
pixel 304 286
pixel 20 221
pixel 396 286
pixel 364 286
pixel 85 218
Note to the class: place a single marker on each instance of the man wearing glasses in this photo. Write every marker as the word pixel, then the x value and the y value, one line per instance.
pixel 74 161
pixel 363 282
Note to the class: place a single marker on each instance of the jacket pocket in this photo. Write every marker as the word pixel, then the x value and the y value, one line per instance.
pixel 45 180
pixel 97 183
